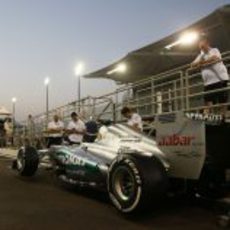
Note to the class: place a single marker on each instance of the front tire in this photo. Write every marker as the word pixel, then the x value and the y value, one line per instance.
pixel 27 161
pixel 135 182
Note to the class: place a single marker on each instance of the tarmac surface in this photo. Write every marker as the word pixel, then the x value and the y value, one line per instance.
pixel 41 203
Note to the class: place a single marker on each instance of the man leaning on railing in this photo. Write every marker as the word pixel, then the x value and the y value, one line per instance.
pixel 214 74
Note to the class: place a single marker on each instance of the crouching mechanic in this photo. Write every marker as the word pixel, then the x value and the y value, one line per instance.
pixel 75 129
pixel 55 131
pixel 134 119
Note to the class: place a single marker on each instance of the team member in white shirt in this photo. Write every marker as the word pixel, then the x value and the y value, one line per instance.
pixel 76 129
pixel 134 119
pixel 55 131
pixel 214 74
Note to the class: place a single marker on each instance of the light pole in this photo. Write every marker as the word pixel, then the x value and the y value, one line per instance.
pixel 79 72
pixel 14 100
pixel 46 83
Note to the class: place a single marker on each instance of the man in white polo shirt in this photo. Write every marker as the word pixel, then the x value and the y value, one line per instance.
pixel 55 131
pixel 214 74
pixel 134 119
pixel 75 129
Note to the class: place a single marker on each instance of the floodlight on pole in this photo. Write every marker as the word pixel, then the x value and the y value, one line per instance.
pixel 46 83
pixel 14 99
pixel 185 39
pixel 79 69
pixel 120 68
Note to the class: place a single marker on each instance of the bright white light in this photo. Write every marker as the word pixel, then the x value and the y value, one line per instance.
pixel 185 39
pixel 47 81
pixel 189 38
pixel 79 69
pixel 14 99
pixel 120 68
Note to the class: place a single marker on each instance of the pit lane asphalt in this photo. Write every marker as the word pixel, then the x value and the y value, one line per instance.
pixel 40 203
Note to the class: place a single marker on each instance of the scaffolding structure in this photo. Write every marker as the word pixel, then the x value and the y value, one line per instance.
pixel 176 90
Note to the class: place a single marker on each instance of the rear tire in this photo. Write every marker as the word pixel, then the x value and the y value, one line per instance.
pixel 136 182
pixel 27 161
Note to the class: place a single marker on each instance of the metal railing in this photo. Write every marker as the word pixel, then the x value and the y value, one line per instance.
pixel 180 89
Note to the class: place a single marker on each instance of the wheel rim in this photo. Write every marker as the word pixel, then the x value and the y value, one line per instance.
pixel 124 183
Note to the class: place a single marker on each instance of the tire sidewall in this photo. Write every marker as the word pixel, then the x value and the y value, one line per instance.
pixel 132 203
pixel 29 160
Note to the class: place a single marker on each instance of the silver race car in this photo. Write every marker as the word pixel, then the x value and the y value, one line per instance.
pixel 136 170
pixel 128 165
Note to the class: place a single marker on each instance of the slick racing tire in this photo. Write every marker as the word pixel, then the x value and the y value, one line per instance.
pixel 27 161
pixel 136 182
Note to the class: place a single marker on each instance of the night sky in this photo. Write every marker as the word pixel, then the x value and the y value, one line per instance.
pixel 47 37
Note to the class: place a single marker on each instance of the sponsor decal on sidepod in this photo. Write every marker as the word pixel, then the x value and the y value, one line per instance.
pixel 176 140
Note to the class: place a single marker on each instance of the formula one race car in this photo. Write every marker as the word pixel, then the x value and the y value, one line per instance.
pixel 136 171
pixel 128 165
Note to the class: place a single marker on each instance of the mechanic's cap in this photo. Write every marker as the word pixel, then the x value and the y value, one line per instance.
pixel 74 114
